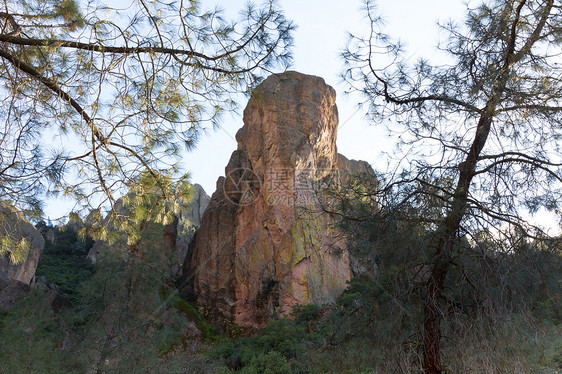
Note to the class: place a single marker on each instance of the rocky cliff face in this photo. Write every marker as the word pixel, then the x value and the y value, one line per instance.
pixel 14 224
pixel 264 244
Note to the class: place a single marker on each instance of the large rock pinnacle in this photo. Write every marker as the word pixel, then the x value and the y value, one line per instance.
pixel 264 244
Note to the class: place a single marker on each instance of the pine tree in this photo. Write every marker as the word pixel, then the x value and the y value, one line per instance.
pixel 119 91
pixel 484 129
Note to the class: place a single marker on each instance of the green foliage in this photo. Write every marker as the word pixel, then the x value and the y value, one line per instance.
pixel 13 243
pixel 124 320
pixel 190 312
pixel 128 101
pixel 16 249
pixel 32 338
pixel 556 354
pixel 277 348
pixel 271 362
pixel 166 338
pixel 121 318
pixel 155 199
pixel 64 262
pixel 128 316
pixel 305 314
pixel 549 309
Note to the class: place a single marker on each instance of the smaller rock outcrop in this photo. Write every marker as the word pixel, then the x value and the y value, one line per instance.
pixel 11 292
pixel 194 211
pixel 188 222
pixel 16 227
pixel 175 237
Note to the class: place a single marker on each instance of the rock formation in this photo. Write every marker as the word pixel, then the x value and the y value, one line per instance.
pixel 16 278
pixel 17 227
pixel 11 292
pixel 265 244
pixel 175 237
pixel 189 221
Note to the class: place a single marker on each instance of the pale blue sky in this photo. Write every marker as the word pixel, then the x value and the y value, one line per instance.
pixel 323 26
pixel 321 35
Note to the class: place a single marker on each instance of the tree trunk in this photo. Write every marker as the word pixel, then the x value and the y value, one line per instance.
pixel 433 315
pixel 445 237
pixel 446 234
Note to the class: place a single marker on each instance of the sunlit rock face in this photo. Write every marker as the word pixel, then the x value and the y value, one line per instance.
pixel 265 244
pixel 14 225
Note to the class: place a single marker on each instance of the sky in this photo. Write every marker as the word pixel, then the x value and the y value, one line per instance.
pixel 323 27
pixel 321 34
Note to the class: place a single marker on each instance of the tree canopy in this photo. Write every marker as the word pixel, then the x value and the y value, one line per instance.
pixel 94 94
pixel 480 132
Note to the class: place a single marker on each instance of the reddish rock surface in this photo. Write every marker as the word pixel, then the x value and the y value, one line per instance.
pixel 264 244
